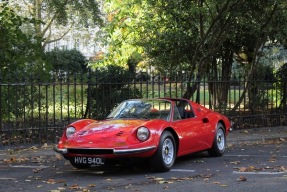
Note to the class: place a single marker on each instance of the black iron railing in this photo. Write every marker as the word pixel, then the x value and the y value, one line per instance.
pixel 37 112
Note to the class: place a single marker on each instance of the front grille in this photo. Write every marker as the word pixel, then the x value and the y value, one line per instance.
pixel 91 151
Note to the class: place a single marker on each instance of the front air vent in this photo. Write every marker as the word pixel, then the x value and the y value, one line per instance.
pixel 82 133
pixel 120 133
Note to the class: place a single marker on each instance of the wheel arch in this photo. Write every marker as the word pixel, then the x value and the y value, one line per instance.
pixel 175 136
pixel 222 122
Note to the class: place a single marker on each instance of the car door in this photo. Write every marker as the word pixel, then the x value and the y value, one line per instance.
pixel 192 130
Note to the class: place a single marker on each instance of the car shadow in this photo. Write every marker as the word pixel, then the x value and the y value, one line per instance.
pixel 136 166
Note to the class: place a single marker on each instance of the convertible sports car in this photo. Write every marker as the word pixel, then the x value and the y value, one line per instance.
pixel 157 129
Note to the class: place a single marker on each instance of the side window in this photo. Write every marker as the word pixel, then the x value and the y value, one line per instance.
pixel 188 112
pixel 176 115
pixel 184 109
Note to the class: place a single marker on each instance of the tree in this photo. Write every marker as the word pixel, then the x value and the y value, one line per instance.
pixel 282 77
pixel 203 37
pixel 112 83
pixel 18 51
pixel 69 61
pixel 58 17
pixel 20 59
pixel 120 33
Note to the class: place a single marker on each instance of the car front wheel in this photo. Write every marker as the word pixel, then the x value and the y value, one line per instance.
pixel 165 155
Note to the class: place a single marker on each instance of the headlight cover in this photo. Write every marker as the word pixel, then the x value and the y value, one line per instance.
pixel 70 131
pixel 143 133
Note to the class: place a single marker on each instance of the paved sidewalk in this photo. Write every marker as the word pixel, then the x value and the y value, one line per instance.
pixel 246 136
pixel 258 135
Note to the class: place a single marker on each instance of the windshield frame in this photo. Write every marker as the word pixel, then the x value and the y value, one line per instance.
pixel 143 109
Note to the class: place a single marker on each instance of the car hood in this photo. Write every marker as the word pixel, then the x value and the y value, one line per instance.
pixel 110 126
pixel 105 134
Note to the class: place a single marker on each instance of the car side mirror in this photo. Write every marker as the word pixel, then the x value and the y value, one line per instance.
pixel 205 120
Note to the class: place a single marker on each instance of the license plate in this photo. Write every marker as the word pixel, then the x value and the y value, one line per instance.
pixel 89 160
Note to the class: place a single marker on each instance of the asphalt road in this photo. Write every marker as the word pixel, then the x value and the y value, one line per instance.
pixel 254 166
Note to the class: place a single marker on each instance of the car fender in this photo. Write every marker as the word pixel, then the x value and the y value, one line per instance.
pixel 78 125
pixel 156 130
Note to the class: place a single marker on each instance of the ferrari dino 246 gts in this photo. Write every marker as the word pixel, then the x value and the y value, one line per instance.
pixel 156 129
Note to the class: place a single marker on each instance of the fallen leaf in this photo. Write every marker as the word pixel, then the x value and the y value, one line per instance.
pixel 241 178
pixel 165 187
pixel 61 181
pixel 33 148
pixel 59 157
pixel 235 162
pixel 111 188
pixel 249 169
pixel 158 179
pixel 164 182
pixel 51 181
pixel 205 175
pixel 272 160
pixel 223 185
pixel 283 169
pixel 128 186
pixel 75 186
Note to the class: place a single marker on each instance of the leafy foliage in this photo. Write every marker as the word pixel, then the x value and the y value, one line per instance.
pixel 58 17
pixel 18 51
pixel 204 37
pixel 20 59
pixel 282 77
pixel 111 83
pixel 72 61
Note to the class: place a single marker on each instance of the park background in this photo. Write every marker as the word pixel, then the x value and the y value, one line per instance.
pixel 62 61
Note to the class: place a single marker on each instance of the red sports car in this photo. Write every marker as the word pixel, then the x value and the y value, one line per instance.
pixel 157 129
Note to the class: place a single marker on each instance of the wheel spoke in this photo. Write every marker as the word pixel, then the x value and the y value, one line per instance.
pixel 220 140
pixel 167 151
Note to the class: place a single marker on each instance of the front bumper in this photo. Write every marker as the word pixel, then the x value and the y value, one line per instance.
pixel 61 151
pixel 97 151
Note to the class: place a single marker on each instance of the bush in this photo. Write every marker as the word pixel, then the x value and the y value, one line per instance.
pixel 282 80
pixel 107 87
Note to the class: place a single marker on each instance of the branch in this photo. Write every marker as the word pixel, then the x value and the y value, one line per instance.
pixel 30 7
pixel 57 39
pixel 48 25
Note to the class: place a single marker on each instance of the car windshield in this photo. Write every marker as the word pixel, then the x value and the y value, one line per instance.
pixel 142 109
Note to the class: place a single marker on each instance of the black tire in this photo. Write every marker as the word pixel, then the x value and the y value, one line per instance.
pixel 79 166
pixel 219 143
pixel 165 156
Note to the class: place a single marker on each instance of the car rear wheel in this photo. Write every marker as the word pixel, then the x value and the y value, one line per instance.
pixel 79 166
pixel 165 155
pixel 219 143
